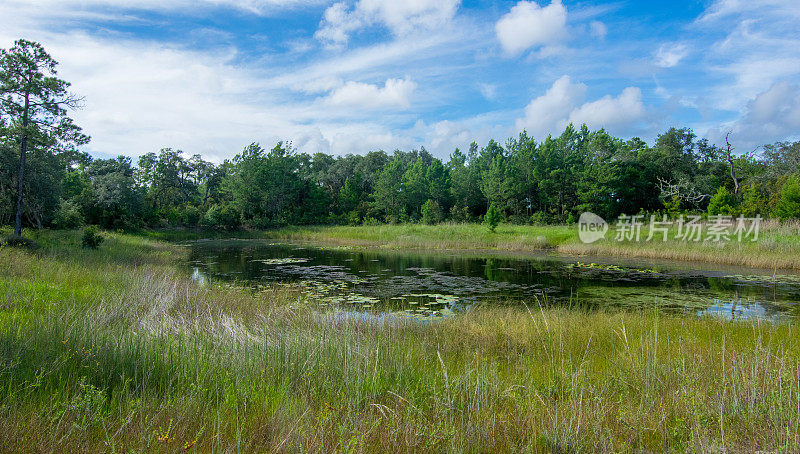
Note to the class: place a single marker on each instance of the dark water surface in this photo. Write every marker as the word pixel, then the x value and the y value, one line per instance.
pixel 430 284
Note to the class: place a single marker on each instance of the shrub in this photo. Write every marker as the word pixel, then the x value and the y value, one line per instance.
pixel 492 218
pixel 222 216
pixel 191 215
pixel 754 201
pixel 432 212
pixel 18 241
pixel 460 213
pixel 723 202
pixel 673 207
pixel 371 221
pixel 354 218
pixel 68 215
pixel 789 203
pixel 92 238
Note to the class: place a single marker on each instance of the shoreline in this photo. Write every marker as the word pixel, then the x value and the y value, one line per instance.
pixel 775 251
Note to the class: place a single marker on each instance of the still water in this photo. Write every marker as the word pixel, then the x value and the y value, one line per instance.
pixel 427 284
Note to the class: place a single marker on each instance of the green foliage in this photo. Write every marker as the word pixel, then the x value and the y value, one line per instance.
pixel 224 216
pixel 68 216
pixel 754 201
pixel 492 218
pixel 524 180
pixel 20 242
pixel 789 203
pixel 35 130
pixel 92 238
pixel 722 203
pixel 432 212
pixel 353 218
pixel 673 207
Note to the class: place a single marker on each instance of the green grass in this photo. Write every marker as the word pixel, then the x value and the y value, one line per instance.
pixel 117 350
pixel 437 237
pixel 778 245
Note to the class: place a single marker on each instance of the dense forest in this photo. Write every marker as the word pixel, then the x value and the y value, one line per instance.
pixel 529 181
pixel 47 181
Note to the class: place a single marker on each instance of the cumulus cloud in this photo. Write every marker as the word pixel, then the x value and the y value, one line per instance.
pixel 400 17
pixel 563 103
pixel 669 55
pixel 611 112
pixel 528 26
pixel 772 115
pixel 394 93
pixel 549 112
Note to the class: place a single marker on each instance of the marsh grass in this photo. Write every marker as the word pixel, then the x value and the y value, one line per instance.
pixel 437 237
pixel 778 245
pixel 116 350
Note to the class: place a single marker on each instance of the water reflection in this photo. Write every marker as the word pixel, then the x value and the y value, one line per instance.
pixel 424 285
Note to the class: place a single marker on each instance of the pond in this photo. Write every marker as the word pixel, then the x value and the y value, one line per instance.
pixel 430 284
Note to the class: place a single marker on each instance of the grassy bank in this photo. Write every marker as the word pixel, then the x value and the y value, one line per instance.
pixel 778 245
pixel 438 237
pixel 117 350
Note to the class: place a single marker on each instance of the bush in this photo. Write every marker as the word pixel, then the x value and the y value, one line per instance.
pixel 432 212
pixel 354 218
pixel 789 203
pixel 18 241
pixel 92 238
pixel 673 207
pixel 492 218
pixel 460 213
pixel 191 216
pixel 222 216
pixel 68 215
pixel 754 201
pixel 723 203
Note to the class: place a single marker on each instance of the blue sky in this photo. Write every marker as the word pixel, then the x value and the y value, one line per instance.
pixel 210 76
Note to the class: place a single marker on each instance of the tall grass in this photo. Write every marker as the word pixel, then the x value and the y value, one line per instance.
pixel 100 351
pixel 778 245
pixel 440 237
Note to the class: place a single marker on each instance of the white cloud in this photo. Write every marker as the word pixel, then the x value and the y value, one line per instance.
pixel 772 115
pixel 488 91
pixel 722 9
pixel 611 113
pixel 598 29
pixel 528 25
pixel 549 113
pixel 400 17
pixel 669 55
pixel 563 104
pixel 760 46
pixel 394 93
pixel 253 6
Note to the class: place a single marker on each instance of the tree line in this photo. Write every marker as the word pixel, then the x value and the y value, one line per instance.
pixel 46 181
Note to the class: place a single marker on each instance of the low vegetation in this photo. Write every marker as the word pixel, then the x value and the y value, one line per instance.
pixel 116 349
pixel 778 244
